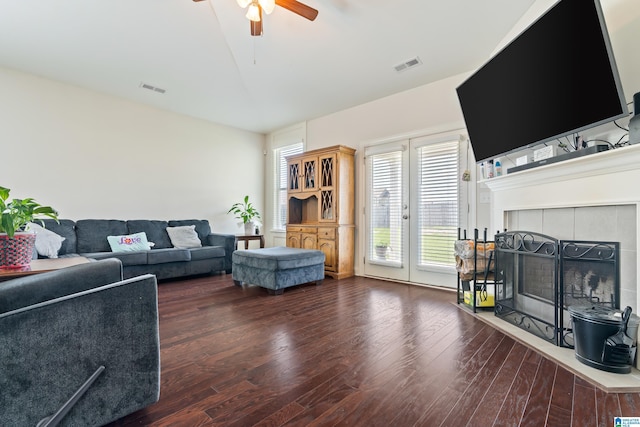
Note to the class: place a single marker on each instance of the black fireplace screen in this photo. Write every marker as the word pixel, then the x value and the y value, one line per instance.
pixel 539 277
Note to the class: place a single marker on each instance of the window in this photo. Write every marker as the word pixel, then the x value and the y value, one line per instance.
pixel 386 194
pixel 437 202
pixel 280 179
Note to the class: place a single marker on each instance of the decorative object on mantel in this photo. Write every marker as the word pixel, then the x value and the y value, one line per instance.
pixel 16 244
pixel 247 213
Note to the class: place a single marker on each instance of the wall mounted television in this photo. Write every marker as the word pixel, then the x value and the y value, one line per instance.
pixel 558 77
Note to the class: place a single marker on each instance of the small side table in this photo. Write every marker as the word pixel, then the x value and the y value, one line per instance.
pixel 41 266
pixel 246 237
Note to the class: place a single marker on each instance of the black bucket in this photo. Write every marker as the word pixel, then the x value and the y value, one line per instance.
pixel 592 325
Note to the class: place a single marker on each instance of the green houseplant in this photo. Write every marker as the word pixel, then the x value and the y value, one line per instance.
pixel 16 245
pixel 246 212
pixel 381 238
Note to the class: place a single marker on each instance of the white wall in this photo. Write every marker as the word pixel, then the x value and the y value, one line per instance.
pixel 91 155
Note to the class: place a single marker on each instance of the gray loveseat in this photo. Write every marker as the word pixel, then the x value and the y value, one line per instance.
pixel 60 328
pixel 88 237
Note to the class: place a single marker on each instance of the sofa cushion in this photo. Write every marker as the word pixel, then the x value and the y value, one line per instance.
pixel 160 256
pixel 184 237
pixel 92 233
pixel 202 226
pixel 67 229
pixel 129 243
pixel 127 258
pixel 48 243
pixel 207 252
pixel 155 230
pixel 278 258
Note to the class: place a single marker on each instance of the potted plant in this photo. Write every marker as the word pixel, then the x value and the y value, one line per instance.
pixel 381 242
pixel 247 213
pixel 381 249
pixel 16 245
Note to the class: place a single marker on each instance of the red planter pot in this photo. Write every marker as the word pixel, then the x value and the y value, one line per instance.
pixel 17 251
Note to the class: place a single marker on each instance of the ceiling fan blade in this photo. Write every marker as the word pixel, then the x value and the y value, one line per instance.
pixel 256 26
pixel 298 8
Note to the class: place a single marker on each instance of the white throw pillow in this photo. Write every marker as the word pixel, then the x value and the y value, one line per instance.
pixel 48 243
pixel 184 237
pixel 129 243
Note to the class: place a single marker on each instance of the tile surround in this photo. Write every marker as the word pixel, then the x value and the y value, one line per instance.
pixel 604 223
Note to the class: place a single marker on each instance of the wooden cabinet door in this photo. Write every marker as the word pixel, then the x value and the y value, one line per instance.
pixel 309 241
pixel 328 247
pixel 294 240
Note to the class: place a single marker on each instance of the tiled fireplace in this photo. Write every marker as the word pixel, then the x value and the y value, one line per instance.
pixel 592 198
pixel 539 277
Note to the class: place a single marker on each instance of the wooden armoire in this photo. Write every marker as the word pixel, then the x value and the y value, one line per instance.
pixel 321 206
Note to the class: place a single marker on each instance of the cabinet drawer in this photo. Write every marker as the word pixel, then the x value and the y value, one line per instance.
pixel 326 233
pixel 300 229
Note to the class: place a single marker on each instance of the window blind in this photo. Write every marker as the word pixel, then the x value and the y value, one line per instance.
pixel 438 191
pixel 280 205
pixel 386 222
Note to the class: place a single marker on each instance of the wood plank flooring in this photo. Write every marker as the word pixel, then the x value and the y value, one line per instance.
pixel 357 352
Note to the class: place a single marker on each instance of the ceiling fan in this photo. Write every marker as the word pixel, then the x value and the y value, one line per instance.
pixel 256 7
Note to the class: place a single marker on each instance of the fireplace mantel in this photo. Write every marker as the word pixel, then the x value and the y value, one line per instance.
pixel 607 178
pixel 597 164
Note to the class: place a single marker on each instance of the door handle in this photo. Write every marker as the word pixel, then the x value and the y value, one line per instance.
pixel 405 216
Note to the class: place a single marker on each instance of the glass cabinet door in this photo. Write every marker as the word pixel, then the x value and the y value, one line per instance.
pixel 327 193
pixel 309 174
pixel 293 179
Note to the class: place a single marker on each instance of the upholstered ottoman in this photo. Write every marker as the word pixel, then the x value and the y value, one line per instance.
pixel 277 268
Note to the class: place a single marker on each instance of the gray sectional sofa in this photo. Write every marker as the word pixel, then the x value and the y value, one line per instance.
pixel 88 237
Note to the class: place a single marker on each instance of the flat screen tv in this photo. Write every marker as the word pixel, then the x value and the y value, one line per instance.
pixel 556 78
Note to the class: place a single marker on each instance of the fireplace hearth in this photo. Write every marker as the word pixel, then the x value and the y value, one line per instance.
pixel 538 277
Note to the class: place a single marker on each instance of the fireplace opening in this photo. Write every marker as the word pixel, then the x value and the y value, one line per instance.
pixel 538 277
pixel 590 273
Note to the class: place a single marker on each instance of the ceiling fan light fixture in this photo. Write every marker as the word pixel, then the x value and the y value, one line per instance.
pixel 267 5
pixel 253 13
pixel 244 3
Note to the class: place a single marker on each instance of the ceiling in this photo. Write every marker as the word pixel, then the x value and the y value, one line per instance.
pixel 203 56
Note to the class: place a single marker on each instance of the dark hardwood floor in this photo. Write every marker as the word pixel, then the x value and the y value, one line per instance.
pixel 357 352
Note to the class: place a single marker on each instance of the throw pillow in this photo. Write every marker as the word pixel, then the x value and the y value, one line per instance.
pixel 184 237
pixel 129 243
pixel 48 243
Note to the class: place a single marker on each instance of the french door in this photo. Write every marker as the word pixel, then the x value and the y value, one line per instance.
pixel 387 211
pixel 413 209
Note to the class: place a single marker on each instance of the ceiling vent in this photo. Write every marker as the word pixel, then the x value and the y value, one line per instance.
pixel 151 87
pixel 413 62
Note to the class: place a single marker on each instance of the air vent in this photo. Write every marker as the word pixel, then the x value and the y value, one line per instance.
pixel 151 87
pixel 413 62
